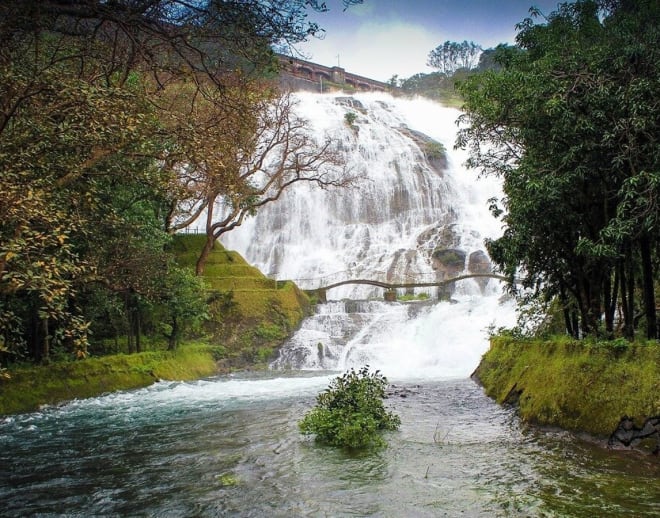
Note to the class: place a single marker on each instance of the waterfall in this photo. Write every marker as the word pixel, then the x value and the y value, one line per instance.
pixel 415 215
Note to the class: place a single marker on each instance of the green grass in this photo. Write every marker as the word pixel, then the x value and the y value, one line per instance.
pixel 410 297
pixel 576 385
pixel 33 386
pixel 250 311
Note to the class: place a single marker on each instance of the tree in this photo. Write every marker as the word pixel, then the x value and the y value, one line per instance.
pixel 567 124
pixel 257 166
pixel 86 143
pixel 451 56
pixel 182 302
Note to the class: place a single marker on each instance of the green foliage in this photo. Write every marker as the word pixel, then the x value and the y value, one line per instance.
pixel 564 120
pixel 578 385
pixel 183 303
pixel 434 150
pixel 350 118
pixel 92 143
pixel 408 297
pixel 434 86
pixel 270 332
pixel 450 257
pixel 32 386
pixel 452 55
pixel 350 413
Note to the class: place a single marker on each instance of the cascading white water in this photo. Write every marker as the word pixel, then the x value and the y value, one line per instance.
pixel 416 216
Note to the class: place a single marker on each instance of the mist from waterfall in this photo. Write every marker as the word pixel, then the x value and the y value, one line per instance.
pixel 418 215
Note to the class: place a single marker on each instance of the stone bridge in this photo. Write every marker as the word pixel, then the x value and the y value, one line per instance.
pixel 390 294
pixel 306 75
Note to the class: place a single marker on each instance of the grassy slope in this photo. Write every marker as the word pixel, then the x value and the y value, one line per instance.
pixel 250 318
pixel 33 386
pixel 252 314
pixel 573 385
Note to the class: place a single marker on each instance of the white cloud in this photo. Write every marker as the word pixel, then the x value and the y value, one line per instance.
pixel 376 50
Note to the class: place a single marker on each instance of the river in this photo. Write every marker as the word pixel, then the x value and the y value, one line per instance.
pixel 229 446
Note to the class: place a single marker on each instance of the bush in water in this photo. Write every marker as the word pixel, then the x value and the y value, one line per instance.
pixel 350 412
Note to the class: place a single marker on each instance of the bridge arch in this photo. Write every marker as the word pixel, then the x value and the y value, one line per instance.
pixel 321 292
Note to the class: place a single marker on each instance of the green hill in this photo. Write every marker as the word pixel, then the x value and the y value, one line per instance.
pixel 250 314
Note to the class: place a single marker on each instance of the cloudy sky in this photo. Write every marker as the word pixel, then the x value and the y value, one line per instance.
pixel 381 38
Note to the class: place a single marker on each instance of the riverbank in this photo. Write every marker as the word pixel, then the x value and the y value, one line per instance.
pixel 250 316
pixel 33 386
pixel 610 390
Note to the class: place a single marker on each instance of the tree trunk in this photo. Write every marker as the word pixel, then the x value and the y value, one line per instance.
pixel 173 338
pixel 647 288
pixel 610 295
pixel 628 327
pixel 129 322
pixel 138 329
pixel 45 340
pixel 204 255
pixel 569 314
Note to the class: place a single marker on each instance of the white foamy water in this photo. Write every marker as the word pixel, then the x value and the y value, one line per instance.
pixel 405 209
pixel 389 224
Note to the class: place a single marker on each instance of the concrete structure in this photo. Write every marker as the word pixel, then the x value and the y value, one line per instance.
pixel 299 74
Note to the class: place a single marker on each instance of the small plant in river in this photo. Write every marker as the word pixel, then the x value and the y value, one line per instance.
pixel 350 412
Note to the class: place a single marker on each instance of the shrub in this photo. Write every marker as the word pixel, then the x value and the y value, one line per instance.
pixel 350 118
pixel 350 413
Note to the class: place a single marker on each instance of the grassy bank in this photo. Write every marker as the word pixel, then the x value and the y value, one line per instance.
pixel 251 314
pixel 577 386
pixel 32 386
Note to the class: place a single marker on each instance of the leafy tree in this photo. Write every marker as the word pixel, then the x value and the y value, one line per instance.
pixel 451 56
pixel 350 413
pixel 182 303
pixel 257 167
pixel 88 149
pixel 566 122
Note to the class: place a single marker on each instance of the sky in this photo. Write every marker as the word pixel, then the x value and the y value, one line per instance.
pixel 380 38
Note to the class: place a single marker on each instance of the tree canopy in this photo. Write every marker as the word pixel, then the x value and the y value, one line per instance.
pixel 570 123
pixel 452 56
pixel 107 111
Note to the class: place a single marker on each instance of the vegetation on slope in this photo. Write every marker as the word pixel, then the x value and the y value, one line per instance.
pixel 575 385
pixel 31 386
pixel 120 120
pixel 249 316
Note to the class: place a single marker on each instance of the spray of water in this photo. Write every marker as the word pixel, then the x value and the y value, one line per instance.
pixel 411 204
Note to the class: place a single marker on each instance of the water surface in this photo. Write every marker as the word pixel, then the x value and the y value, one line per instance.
pixel 230 447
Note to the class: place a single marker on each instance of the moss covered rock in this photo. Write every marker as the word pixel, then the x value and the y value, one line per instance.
pixel 588 387
pixel 251 315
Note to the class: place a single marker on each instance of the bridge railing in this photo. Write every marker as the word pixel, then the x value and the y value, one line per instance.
pixel 346 275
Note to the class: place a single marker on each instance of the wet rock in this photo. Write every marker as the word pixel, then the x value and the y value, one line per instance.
pixel 402 392
pixel 646 436
pixel 450 261
pixel 433 151
pixel 350 102
pixel 478 262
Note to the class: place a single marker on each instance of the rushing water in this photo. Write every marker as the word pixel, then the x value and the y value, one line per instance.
pixel 230 446
pixel 389 225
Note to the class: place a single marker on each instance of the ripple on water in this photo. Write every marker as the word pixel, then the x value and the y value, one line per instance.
pixel 456 453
